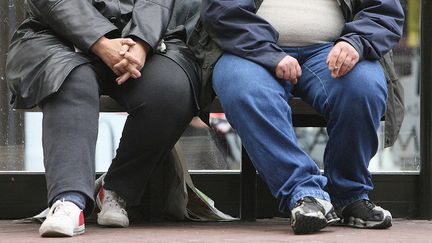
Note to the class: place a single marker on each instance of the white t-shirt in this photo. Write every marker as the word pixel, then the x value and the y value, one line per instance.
pixel 303 22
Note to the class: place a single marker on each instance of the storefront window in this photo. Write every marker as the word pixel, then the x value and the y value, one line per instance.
pixel 11 122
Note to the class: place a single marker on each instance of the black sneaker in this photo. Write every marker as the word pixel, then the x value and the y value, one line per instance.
pixel 310 215
pixel 365 214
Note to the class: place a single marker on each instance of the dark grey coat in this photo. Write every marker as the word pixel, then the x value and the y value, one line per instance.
pixel 42 50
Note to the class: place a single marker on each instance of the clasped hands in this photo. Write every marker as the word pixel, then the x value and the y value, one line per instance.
pixel 124 56
pixel 341 59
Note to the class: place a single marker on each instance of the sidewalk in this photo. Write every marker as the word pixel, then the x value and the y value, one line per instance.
pixel 264 230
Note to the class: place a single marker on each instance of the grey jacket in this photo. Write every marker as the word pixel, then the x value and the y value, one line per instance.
pixel 42 50
pixel 384 18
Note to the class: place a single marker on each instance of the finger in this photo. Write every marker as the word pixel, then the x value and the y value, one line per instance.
pixel 340 59
pixel 299 71
pixel 345 67
pixel 124 49
pixel 350 61
pixel 135 73
pixel 287 73
pixel 340 64
pixel 350 66
pixel 117 72
pixel 291 75
pixel 128 41
pixel 123 78
pixel 332 57
pixel 132 59
pixel 279 73
pixel 296 72
pixel 121 66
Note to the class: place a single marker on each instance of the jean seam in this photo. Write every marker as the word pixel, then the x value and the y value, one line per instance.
pixel 326 107
pixel 326 103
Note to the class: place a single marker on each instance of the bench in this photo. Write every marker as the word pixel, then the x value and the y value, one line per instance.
pixel 303 115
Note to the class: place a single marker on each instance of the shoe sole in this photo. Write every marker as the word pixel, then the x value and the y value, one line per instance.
pixel 112 222
pixel 333 221
pixel 332 218
pixel 359 223
pixel 59 232
pixel 304 224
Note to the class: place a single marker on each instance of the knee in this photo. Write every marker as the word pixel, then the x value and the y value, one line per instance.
pixel 174 99
pixel 82 82
pixel 366 87
pixel 178 102
pixel 176 94
pixel 232 73
pixel 80 89
pixel 239 82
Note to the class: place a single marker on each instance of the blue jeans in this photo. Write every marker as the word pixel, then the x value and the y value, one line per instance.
pixel 256 105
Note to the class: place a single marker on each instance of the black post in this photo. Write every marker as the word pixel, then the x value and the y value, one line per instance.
pixel 425 209
pixel 11 122
pixel 248 205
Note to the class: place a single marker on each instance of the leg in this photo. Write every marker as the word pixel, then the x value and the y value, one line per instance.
pixel 256 105
pixel 353 106
pixel 160 106
pixel 70 126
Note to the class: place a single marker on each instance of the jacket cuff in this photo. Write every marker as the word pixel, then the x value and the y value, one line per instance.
pixel 135 37
pixel 274 61
pixel 92 38
pixel 134 33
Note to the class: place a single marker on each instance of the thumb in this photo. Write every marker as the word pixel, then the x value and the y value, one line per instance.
pixel 124 49
pixel 128 41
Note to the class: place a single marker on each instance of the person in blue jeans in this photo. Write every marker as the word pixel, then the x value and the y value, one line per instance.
pixel 327 53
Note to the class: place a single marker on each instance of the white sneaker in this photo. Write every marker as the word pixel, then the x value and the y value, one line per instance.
pixel 64 219
pixel 112 206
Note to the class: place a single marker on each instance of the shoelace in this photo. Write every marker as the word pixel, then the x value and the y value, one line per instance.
pixel 374 215
pixel 113 200
pixel 59 209
pixel 369 205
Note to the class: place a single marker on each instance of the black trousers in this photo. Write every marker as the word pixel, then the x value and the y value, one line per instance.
pixel 160 105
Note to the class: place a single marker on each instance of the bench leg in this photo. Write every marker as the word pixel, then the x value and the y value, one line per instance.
pixel 248 204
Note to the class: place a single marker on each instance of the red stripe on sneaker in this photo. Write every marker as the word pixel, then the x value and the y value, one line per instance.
pixel 101 194
pixel 81 219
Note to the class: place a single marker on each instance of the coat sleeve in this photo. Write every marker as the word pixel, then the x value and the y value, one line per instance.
pixel 149 20
pixel 376 27
pixel 238 30
pixel 78 21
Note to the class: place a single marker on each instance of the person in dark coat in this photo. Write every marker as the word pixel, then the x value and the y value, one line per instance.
pixel 327 52
pixel 63 57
